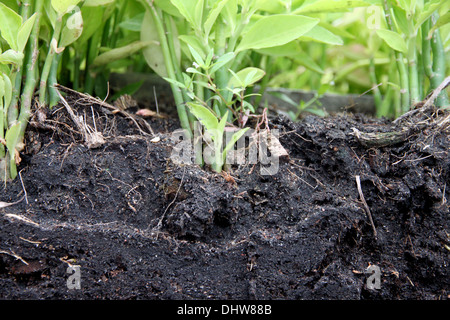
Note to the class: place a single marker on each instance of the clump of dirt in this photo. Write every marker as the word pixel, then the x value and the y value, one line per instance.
pixel 142 227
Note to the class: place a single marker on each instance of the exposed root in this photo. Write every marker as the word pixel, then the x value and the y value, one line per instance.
pixel 6 204
pixel 89 100
pixel 91 136
pixel 13 254
pixel 366 207
pixel 424 118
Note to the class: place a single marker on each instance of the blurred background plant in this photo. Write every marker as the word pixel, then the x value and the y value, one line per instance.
pixel 396 51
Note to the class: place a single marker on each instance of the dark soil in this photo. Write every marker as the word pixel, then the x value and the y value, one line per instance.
pixel 141 227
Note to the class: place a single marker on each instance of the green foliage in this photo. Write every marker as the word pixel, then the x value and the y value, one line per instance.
pixel 277 30
pixel 15 32
pixel 215 130
pixel 404 27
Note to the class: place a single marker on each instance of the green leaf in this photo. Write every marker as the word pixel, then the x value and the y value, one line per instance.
pixel 153 54
pixel 213 14
pixel 198 14
pixel 236 81
pixel 330 6
pixel 92 21
pixel 206 117
pixel 72 30
pixel 134 23
pixel 234 138
pixel 24 33
pixel 12 4
pixel 401 19
pixel 393 40
pixel 175 82
pixel 120 53
pixel 223 60
pixel 12 138
pixel 209 58
pixel 427 11
pixel 2 94
pixel 247 105
pixel 96 3
pixel 7 90
pixel 221 129
pixel 246 77
pixel 187 9
pixel 292 115
pixel 193 70
pixel 197 57
pixel 276 30
pixel 289 49
pixel 271 6
pixel 320 34
pixel 305 60
pixel 336 30
pixel 284 97
pixel 11 57
pixel 193 41
pixel 442 21
pixel 10 25
pixel 62 6
pixel 229 15
pixel 51 16
pixel 167 7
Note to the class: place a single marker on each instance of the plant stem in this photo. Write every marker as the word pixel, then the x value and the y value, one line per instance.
pixel 13 110
pixel 31 71
pixel 240 27
pixel 413 78
pixel 426 50
pixel 92 53
pixel 383 109
pixel 402 70
pixel 76 70
pixel 421 75
pixel 375 89
pixel 53 80
pixel 2 131
pixel 117 19
pixel 49 60
pixel 180 104
pixel 270 66
pixel 413 75
pixel 222 78
pixel 439 67
pixel 167 25
pixel 404 82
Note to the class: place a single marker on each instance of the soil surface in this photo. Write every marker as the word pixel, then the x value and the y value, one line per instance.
pixel 142 227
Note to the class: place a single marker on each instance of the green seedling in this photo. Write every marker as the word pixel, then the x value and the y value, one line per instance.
pixel 214 135
pixel 208 112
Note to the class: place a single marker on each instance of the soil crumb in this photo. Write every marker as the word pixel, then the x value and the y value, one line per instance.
pixel 142 227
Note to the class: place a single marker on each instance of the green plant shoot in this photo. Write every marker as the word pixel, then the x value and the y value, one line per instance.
pixel 214 135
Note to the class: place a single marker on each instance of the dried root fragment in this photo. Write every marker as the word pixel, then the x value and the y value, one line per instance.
pixel 380 139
